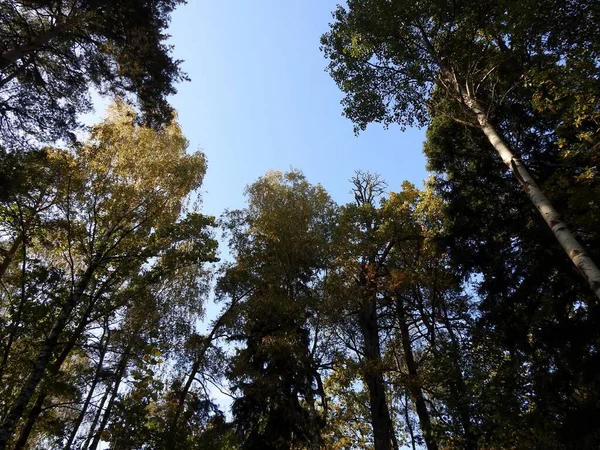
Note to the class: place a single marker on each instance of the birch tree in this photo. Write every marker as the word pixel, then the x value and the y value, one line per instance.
pixel 396 60
pixel 115 220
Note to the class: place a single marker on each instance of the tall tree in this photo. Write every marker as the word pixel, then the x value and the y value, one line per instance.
pixel 400 61
pixel 114 223
pixel 280 244
pixel 363 247
pixel 536 331
pixel 52 52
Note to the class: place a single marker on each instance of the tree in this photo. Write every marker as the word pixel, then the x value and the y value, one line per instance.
pixel 52 52
pixel 280 244
pixel 399 62
pixel 535 332
pixel 115 226
pixel 362 249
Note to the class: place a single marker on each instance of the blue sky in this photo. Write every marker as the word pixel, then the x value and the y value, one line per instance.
pixel 260 99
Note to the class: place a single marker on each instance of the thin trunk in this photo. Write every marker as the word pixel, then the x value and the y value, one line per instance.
pixel 12 251
pixel 36 410
pixel 111 402
pixel 88 399
pixel 457 387
pixel 43 360
pixel 373 376
pixel 565 237
pixel 31 419
pixel 188 384
pixel 407 420
pixel 395 445
pixel 197 363
pixel 14 326
pixel 414 383
pixel 91 432
pixel 411 433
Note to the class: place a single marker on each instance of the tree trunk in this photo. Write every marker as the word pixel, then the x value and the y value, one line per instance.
pixel 34 413
pixel 414 385
pixel 43 360
pixel 111 402
pixel 88 398
pixel 97 416
pixel 373 376
pixel 198 361
pixel 565 237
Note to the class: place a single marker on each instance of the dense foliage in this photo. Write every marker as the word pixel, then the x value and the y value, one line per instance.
pixel 441 317
pixel 53 51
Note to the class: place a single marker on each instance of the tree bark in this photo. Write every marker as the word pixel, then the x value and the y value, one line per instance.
pixel 414 383
pixel 36 375
pixel 88 398
pixel 575 251
pixel 111 401
pixel 373 376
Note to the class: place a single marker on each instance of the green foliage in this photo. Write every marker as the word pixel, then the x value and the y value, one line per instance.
pixel 52 52
pixel 281 247
pixel 108 218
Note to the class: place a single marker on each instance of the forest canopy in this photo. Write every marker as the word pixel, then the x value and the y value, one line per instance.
pixel 459 314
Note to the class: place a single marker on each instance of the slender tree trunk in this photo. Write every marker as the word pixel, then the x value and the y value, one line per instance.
pixel 565 237
pixel 414 385
pixel 36 410
pixel 188 384
pixel 411 433
pixel 111 402
pixel 36 375
pixel 197 363
pixel 91 432
pixel 373 376
pixel 34 413
pixel 90 394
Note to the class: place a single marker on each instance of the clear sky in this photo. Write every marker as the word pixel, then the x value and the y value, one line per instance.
pixel 260 99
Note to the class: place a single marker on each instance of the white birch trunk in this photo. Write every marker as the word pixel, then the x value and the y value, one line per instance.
pixel 565 237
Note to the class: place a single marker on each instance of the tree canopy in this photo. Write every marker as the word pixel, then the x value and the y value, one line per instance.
pixel 441 316
pixel 53 52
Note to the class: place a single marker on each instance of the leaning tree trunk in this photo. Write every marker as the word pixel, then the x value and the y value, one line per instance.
pixel 111 402
pixel 414 381
pixel 197 364
pixel 103 350
pixel 97 417
pixel 34 413
pixel 565 237
pixel 43 360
